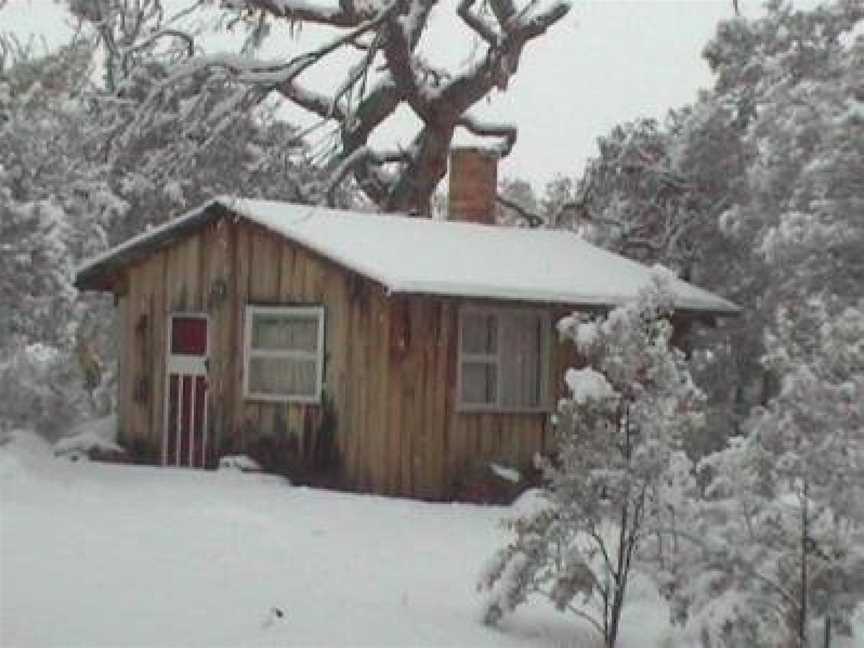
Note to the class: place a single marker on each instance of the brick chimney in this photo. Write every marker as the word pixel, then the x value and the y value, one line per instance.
pixel 473 185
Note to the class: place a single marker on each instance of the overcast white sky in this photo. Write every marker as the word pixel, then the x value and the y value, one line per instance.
pixel 607 62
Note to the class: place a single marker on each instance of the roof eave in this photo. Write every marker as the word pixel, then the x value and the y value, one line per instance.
pixel 583 303
pixel 99 274
pixel 102 273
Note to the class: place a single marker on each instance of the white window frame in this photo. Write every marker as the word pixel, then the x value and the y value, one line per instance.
pixel 495 358
pixel 299 312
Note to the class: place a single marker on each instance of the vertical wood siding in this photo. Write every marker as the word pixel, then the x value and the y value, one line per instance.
pixel 176 279
pixel 434 445
pixel 123 374
pixel 390 370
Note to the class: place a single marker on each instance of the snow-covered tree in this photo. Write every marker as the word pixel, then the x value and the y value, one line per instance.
pixel 777 542
pixel 770 154
pixel 259 157
pixel 791 83
pixel 802 97
pixel 635 202
pixel 558 204
pixel 784 501
pixel 36 296
pixel 156 60
pixel 62 199
pixel 617 467
pixel 55 208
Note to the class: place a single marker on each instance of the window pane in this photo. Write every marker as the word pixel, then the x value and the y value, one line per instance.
pixel 284 332
pixel 479 333
pixel 479 383
pixel 282 376
pixel 521 366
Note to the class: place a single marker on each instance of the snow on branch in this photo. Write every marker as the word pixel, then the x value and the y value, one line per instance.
pixel 346 15
pixel 363 155
pixel 534 23
pixel 315 102
pixel 251 71
pixel 507 132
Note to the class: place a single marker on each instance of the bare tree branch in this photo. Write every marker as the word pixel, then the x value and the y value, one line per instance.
pixel 152 39
pixel 476 23
pixel 398 53
pixel 531 218
pixel 504 10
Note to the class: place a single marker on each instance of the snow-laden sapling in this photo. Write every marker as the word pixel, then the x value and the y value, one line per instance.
pixel 618 455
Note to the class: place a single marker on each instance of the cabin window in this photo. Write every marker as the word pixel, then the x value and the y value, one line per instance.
pixel 503 359
pixel 284 353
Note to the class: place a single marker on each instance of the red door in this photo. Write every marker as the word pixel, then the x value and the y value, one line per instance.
pixel 184 438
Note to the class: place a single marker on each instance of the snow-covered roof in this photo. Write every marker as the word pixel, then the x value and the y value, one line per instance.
pixel 432 257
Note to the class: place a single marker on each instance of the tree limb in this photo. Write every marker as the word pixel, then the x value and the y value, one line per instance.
pixel 314 102
pixel 532 219
pixel 346 16
pixel 476 23
pixel 363 155
pixel 398 54
pixel 152 39
pixel 580 613
pixel 504 10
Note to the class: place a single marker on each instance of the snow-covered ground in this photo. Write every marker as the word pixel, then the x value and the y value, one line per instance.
pixel 97 554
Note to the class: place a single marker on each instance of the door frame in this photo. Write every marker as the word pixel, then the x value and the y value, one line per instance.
pixel 185 364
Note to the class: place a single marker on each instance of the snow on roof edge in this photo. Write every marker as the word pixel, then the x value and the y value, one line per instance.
pixel 704 301
pixel 712 303
pixel 360 268
pixel 129 244
pixel 718 305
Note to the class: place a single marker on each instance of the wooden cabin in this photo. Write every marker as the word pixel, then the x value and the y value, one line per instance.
pixel 387 353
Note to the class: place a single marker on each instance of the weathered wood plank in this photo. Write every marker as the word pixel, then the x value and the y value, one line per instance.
pixel 134 353
pixel 431 453
pixel 123 396
pixel 359 344
pixel 264 289
pixel 348 428
pixel 209 271
pixel 378 350
pixel 156 281
pixel 437 388
pixel 190 250
pixel 394 403
pixel 286 293
pixel 371 395
pixel 245 414
pixel 222 305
